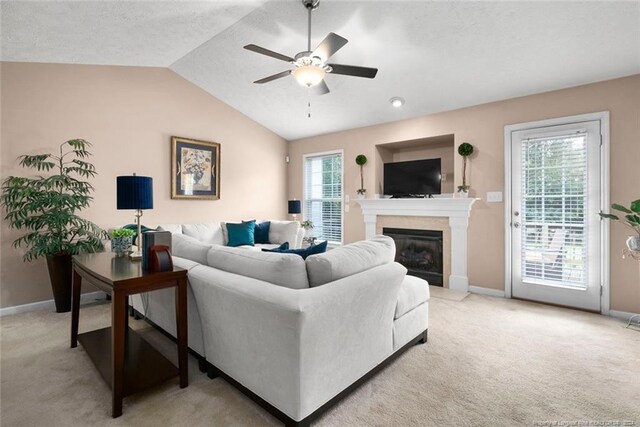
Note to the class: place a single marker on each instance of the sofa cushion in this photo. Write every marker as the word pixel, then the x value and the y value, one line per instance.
pixel 350 259
pixel 283 231
pixel 278 269
pixel 187 247
pixel 241 234
pixel 413 292
pixel 207 233
pixel 171 228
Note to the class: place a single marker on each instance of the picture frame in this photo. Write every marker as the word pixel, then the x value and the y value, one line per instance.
pixel 195 169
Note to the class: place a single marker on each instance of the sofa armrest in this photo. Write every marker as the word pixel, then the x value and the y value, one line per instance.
pixel 297 348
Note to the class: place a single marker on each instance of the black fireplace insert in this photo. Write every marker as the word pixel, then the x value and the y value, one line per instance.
pixel 420 251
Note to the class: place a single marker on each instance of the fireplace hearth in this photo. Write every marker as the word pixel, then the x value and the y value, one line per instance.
pixel 420 251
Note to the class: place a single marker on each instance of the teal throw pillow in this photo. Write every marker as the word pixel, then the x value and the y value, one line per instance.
pixel 304 253
pixel 282 247
pixel 261 233
pixel 241 234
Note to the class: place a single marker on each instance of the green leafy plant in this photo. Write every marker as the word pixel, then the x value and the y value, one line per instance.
pixel 46 207
pixel 465 150
pixel 361 160
pixel 121 232
pixel 307 225
pixel 631 218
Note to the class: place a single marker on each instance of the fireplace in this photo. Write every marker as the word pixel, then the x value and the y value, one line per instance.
pixel 420 251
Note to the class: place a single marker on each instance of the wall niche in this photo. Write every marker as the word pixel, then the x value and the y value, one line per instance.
pixel 435 147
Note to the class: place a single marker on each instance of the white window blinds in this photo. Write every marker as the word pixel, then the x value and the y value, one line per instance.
pixel 553 210
pixel 323 195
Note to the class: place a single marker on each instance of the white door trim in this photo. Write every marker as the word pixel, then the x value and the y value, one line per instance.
pixel 603 117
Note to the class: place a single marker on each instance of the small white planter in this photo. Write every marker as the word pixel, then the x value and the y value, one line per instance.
pixel 633 243
pixel 463 194
pixel 361 196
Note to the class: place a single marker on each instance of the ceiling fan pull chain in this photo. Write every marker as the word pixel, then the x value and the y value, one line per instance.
pixel 309 110
pixel 309 9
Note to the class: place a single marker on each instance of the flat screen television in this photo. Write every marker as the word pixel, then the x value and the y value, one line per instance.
pixel 413 178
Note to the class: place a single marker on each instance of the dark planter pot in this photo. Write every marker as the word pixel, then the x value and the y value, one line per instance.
pixel 60 269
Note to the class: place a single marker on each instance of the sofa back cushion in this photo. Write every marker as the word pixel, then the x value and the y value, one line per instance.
pixel 283 231
pixel 280 269
pixel 207 233
pixel 171 228
pixel 187 247
pixel 349 260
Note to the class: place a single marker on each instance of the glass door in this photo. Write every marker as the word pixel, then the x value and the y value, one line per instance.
pixel 554 220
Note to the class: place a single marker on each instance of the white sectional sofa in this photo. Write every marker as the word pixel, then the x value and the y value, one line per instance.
pixel 295 335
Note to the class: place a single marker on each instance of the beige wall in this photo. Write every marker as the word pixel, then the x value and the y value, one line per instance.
pixel 129 115
pixel 483 126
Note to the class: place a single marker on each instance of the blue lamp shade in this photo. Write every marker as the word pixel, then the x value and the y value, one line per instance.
pixel 295 207
pixel 134 192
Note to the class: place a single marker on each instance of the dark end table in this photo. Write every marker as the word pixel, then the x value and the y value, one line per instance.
pixel 127 362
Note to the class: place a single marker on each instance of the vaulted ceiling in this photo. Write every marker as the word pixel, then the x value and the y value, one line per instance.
pixel 438 56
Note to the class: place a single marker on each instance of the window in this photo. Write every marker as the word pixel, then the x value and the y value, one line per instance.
pixel 323 195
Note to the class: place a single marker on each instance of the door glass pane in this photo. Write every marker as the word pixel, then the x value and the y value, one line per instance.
pixel 554 200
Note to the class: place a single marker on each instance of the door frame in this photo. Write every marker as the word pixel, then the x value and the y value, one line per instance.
pixel 603 117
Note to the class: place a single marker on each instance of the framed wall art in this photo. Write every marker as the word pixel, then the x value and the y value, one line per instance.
pixel 195 169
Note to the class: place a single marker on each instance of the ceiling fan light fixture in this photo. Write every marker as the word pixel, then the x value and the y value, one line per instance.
pixel 308 75
pixel 397 102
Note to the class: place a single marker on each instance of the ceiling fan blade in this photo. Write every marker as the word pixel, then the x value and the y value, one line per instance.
pixel 330 45
pixel 274 77
pixel 263 51
pixel 321 88
pixel 352 70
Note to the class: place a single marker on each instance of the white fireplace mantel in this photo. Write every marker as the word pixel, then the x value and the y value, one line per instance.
pixel 456 209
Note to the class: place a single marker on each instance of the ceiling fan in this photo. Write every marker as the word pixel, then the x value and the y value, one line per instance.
pixel 310 67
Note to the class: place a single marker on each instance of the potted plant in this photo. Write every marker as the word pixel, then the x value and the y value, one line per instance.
pixel 121 241
pixel 45 208
pixel 308 227
pixel 631 220
pixel 465 150
pixel 361 160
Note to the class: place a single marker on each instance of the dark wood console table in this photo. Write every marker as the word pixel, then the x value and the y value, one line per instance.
pixel 126 361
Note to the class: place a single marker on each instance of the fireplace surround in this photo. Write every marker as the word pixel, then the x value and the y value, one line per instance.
pixel 455 211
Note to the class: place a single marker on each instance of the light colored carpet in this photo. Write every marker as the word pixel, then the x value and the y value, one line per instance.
pixel 446 293
pixel 488 362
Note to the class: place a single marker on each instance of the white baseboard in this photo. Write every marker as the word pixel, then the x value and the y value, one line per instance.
pixel 47 305
pixel 486 291
pixel 621 314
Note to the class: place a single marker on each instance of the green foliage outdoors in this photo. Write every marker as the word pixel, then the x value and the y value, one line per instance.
pixel 631 218
pixel 121 232
pixel 46 207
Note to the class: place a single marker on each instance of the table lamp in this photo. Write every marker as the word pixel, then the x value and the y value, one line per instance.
pixel 135 192
pixel 295 208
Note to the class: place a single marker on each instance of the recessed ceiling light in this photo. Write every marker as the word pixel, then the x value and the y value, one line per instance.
pixel 396 101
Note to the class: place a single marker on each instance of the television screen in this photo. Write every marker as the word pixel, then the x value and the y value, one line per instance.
pixel 413 178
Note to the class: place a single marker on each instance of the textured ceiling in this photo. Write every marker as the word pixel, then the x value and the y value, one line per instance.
pixel 143 33
pixel 438 56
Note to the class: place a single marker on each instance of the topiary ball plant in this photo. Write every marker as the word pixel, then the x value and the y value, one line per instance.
pixel 465 150
pixel 361 160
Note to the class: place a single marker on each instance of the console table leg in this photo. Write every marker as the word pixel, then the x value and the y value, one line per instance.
pixel 75 307
pixel 181 320
pixel 118 325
